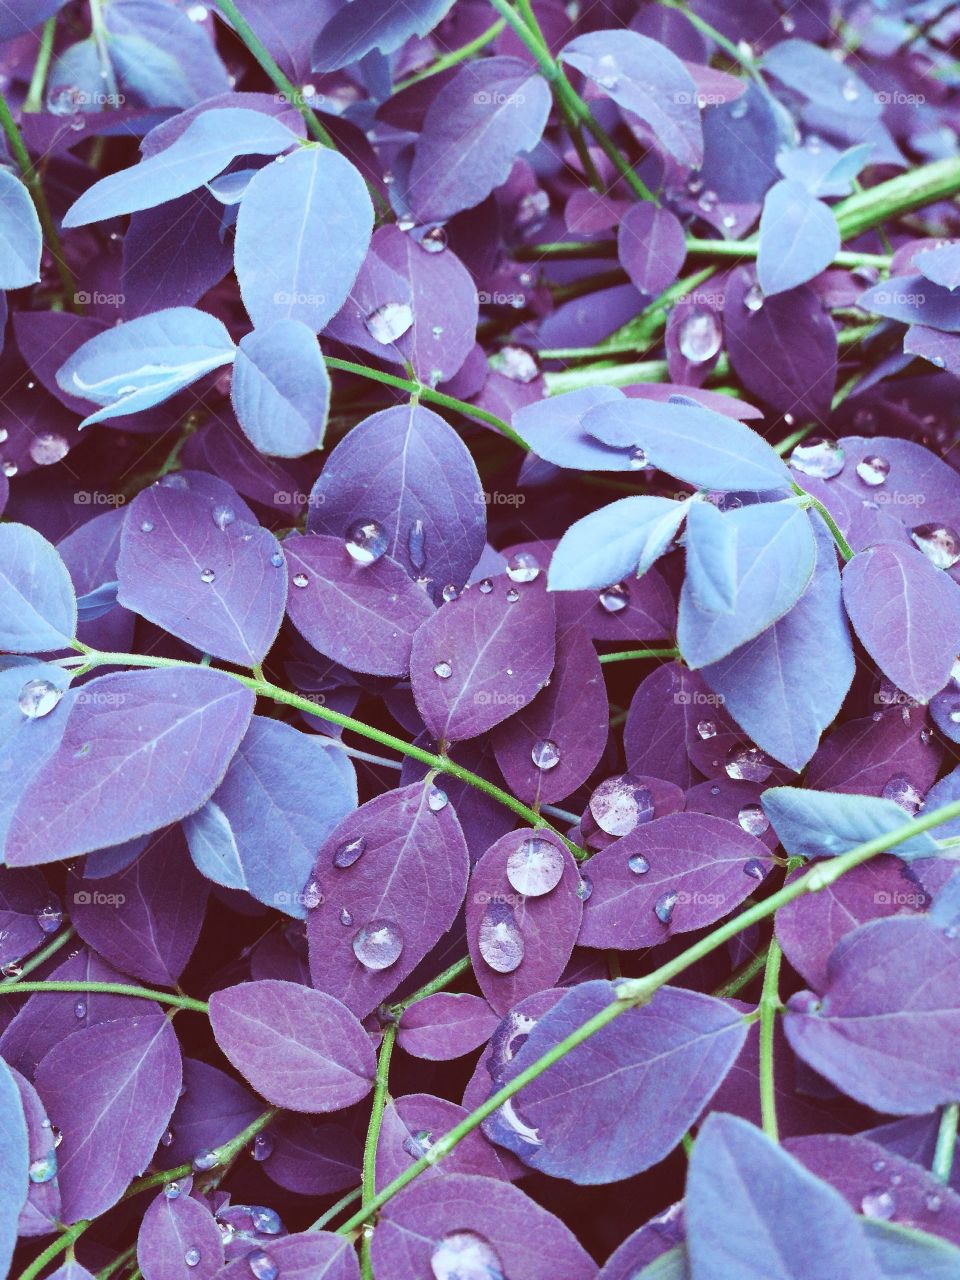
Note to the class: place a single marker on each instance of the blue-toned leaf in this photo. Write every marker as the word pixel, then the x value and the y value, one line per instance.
pixel 822 79
pixel 799 237
pixel 374 24
pixel 163 57
pixel 281 389
pixel 648 80
pixel 313 210
pixel 824 170
pixel 914 300
pixel 21 16
pixel 902 1253
pixel 941 265
pixel 710 541
pixel 283 794
pixel 38 610
pixel 20 239
pixel 178 1238
pixel 776 554
pixel 208 144
pixel 145 361
pixel 816 824
pixel 14 1163
pixel 690 442
pixel 554 430
pixel 623 538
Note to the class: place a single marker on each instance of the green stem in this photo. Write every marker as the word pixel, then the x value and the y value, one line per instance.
pixel 334 1209
pixel 769 1007
pixel 430 395
pixel 843 546
pixel 744 975
pixel 639 653
pixel 31 179
pixel 380 1094
pixel 454 57
pixel 902 194
pixel 719 39
pixel 34 99
pixel 114 989
pixel 118 1263
pixel 576 250
pixel 100 38
pixel 54 1249
pixel 439 983
pixel 37 959
pixel 946 1142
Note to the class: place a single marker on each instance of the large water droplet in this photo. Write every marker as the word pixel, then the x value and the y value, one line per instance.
pixel 873 470
pixel 377 945
pixel 535 867
pixel 619 804
pixel 663 908
pixel 266 1221
pixel 706 729
pixel 748 764
pixel 222 515
pixel 753 298
pixel 49 918
pixel 192 1256
pixel 614 599
pixel 878 1204
pixel 753 820
pixel 464 1255
pixel 515 363
pixel 437 799
pixel 901 791
pixel 48 448
pixel 818 457
pixel 523 567
pixel 700 336
pixel 205 1160
pixel 545 754
pixel 939 543
pixel 389 322
pixel 416 544
pixel 262 1147
pixel 638 864
pixel 44 1169
pixel 365 541
pixel 38 698
pixel 444 670
pixel 207 575
pixel 346 854
pixel 261 1265
pixel 499 938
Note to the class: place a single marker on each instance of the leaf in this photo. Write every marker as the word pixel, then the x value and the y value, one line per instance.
pixel 799 238
pixel 425 493
pixel 178 1238
pixel 20 239
pixel 110 1089
pixel 662 723
pixel 312 1157
pixel 477 124
pixel 621 539
pixel 941 265
pixel 884 589
pixel 314 211
pixel 554 430
pixel 578 1119
pixel 914 300
pixel 816 824
pixel 281 389
pixel 14 1164
pixel 690 867
pixel 213 1108
pixel 143 362
pixel 38 610
pixel 313 1255
pixel 445 1026
pixel 140 750
pixel 362 615
pixel 282 795
pixel 206 146
pixel 26 906
pixel 901 1253
pixel 374 24
pixel 892 985
pixel 776 554
pixel 301 1049
pixel 173 254
pixel 499 646
pixel 397 868
pixel 823 170
pixel 203 570
pixel 413 1123
pixel 651 246
pixel 737 1174
pixel 646 79
pixel 822 79
pixel 711 546
pixel 695 444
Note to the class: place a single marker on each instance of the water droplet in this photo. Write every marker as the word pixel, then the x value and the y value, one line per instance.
pixel 523 567
pixel 146 526
pixel 346 854
pixel 49 918
pixel 584 888
pixel 207 575
pixel 706 729
pixel 166 1139
pixel 873 469
pixel 933 1202
pixel 619 804
pixel 12 969
pixel 700 336
pixel 312 896
pixel 485 587
pixel 434 240
pixel 172 1190
pixel 499 938
pixel 464 1255
pixel 850 91
pixel 346 917
pixel 535 867
pixel 444 670
pixel 513 595
pixel 753 820
pixel 878 1166
pixel 818 457
pixel 939 543
pixel 748 764
pixel 416 1145
pixel 754 868
pixel 262 1266
pixel 174 480
pixel 10 469
pixel 739 108
pixel 205 1160
pixel 901 791
pixel 262 1147
pixel 266 1221
pixel 300 579
pixel 878 1204
pixel 638 459
pixel 638 864
pixel 38 698
pixel 663 909
pixel 515 363
pixel 606 72
pixel 377 945
pixel 416 545
pixel 545 753
pixel 48 448
pixel 389 322
pixel 449 594
pixel 753 298
pixel 277 559
pixel 44 1169
pixel 366 541
pixel 223 515
pixel 192 1256
pixel 614 599
pixel 436 800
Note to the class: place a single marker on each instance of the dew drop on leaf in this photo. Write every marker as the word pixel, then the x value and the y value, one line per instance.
pixel 535 867
pixel 444 670
pixel 38 698
pixel 663 908
pixel 464 1255
pixel 436 800
pixel 878 1204
pixel 700 337
pixel 347 853
pixel 754 868
pixel 901 791
pixel 619 804
pixel 378 945
pixel 753 820
pixel 747 764
pixel 939 543
pixel 48 448
pixel 207 575
pixel 389 322
pixel 638 864
pixel 499 938
pixel 223 515
pixel 261 1265
pixel 44 1169
pixel 523 567
pixel 614 599
pixel 192 1256
pixel 366 541
pixel 545 754
pixel 416 544
pixel 266 1221
pixel 873 470
pixel 818 457
pixel 300 579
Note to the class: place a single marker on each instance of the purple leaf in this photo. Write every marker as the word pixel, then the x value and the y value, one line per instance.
pixel 445 1026
pixel 482 656
pixel 213 1108
pixel 864 756
pixel 110 1089
pixel 362 615
pixel 473 131
pixel 891 985
pixel 376 24
pixel 914 300
pixel 14 1163
pixel 886 587
pixel 28 909
pixel 799 237
pixel 554 429
pixel 301 1049
pixel 280 389
pixel 314 1158
pixel 411 1126
pixel 651 247
pixel 523 915
pixel 941 265
pixel 662 723
pixel 672 875
pixel 41 1213
pixel 178 1238
pixel 173 254
pixel 141 750
pixel 314 1255
pixel 393 877
pixel 468 1224
pixel 578 1120
pixel 37 604
pixel 198 568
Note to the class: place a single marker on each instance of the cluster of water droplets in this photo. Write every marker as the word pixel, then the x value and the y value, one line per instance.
pixel 534 869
